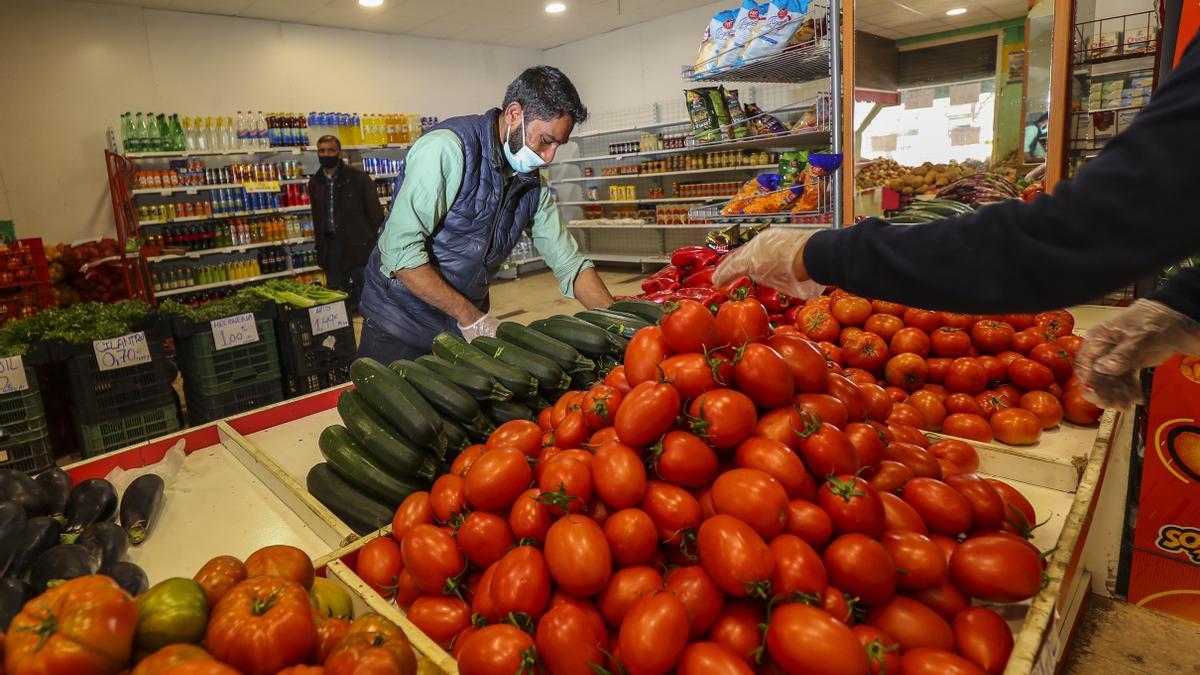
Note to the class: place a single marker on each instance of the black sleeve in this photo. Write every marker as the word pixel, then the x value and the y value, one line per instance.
pixel 1128 213
pixel 1182 293
pixel 371 205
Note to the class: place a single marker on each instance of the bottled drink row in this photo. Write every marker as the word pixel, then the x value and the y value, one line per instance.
pixel 225 202
pixel 191 172
pixel 383 188
pixel 160 132
pixel 236 232
pixel 378 165
pixel 266 261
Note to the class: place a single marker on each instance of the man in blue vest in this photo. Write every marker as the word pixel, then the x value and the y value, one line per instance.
pixel 468 189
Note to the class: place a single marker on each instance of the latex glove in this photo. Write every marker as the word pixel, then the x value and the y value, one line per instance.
pixel 1142 336
pixel 768 259
pixel 486 325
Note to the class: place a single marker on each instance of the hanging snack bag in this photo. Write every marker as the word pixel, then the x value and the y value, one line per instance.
pixel 769 36
pixel 717 95
pixel 705 126
pixel 717 38
pixel 762 124
pixel 762 194
pixel 748 15
pixel 737 114
pixel 792 165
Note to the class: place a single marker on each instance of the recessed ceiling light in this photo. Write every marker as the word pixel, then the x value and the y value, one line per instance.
pixel 556 7
pixel 956 11
pixel 370 3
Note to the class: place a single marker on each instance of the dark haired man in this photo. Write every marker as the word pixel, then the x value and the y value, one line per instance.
pixel 469 188
pixel 346 218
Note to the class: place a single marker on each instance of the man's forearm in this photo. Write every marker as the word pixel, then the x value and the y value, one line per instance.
pixel 590 289
pixel 429 286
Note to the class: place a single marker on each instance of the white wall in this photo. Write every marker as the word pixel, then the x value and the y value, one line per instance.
pixel 71 68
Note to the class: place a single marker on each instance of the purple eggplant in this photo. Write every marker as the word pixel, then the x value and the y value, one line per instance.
pixel 128 576
pixel 25 491
pixel 13 595
pixel 57 485
pixel 107 542
pixel 12 524
pixel 61 563
pixel 39 534
pixel 140 506
pixel 92 501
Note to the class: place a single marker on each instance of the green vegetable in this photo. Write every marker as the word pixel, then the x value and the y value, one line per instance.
pixel 288 292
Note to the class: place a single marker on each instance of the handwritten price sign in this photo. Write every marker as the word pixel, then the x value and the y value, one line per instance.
pixel 234 331
pixel 326 318
pixel 122 352
pixel 12 375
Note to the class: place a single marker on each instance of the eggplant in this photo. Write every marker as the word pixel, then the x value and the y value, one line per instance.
pixel 25 491
pixel 57 484
pixel 128 576
pixel 61 563
pixel 140 506
pixel 12 523
pixel 38 535
pixel 107 542
pixel 92 501
pixel 13 594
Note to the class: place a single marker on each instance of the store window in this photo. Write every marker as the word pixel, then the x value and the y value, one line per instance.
pixel 938 124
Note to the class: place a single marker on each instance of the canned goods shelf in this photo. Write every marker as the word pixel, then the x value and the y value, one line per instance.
pixel 251 152
pixel 236 282
pixel 223 216
pixel 811 137
pixel 196 189
pixel 226 249
pixel 721 169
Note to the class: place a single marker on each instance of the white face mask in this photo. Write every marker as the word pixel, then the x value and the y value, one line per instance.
pixel 525 159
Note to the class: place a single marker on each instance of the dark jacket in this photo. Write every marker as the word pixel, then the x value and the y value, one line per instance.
pixel 467 247
pixel 357 213
pixel 1127 214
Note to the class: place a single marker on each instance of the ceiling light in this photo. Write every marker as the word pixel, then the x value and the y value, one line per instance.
pixel 370 3
pixel 950 12
pixel 556 8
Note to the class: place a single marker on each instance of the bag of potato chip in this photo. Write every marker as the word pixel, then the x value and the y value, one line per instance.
pixel 737 114
pixel 705 125
pixel 748 16
pixel 777 26
pixel 716 39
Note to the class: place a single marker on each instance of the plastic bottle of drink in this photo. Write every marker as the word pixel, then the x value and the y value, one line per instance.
pixel 127 136
pixel 219 134
pixel 149 133
pixel 229 136
pixel 138 129
pixel 260 130
pixel 177 142
pixel 241 129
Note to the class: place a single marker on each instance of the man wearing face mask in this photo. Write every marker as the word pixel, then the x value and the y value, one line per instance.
pixel 346 218
pixel 469 188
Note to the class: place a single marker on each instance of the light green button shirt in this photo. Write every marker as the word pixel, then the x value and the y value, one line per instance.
pixel 433 175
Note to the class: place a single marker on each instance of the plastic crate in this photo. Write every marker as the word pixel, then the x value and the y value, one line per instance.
pixel 100 395
pixel 24 304
pixel 203 408
pixel 23 263
pixel 22 411
pixel 210 372
pixel 306 354
pixel 29 452
pixel 113 434
pixel 297 385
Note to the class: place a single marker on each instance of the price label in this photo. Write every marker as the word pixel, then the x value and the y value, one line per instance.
pixel 261 186
pixel 122 352
pixel 234 331
pixel 326 318
pixel 12 375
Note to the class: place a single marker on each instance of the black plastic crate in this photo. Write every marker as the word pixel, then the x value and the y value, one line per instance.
pixel 298 385
pixel 303 353
pixel 100 395
pixel 211 372
pixel 203 408
pixel 120 432
pixel 28 452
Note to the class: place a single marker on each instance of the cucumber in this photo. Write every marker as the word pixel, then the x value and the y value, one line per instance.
pixel 617 343
pixel 649 311
pixel 352 463
pixel 391 450
pixel 625 327
pixel 549 375
pixel 480 386
pixel 584 379
pixel 363 514
pixel 456 437
pixel 398 403
pixel 448 398
pixel 588 339
pixel 506 411
pixel 458 351
pixel 567 357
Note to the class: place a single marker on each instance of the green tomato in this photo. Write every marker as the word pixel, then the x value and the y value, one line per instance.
pixel 172 611
pixel 329 598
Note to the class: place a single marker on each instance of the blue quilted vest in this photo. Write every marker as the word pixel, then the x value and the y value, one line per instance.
pixel 468 246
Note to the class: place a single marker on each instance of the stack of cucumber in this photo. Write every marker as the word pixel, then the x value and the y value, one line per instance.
pixel 925 210
pixel 403 424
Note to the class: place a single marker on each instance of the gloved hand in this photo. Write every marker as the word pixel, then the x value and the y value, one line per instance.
pixel 768 259
pixel 1142 336
pixel 486 325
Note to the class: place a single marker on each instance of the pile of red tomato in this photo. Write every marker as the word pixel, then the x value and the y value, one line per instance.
pixel 1004 378
pixel 724 502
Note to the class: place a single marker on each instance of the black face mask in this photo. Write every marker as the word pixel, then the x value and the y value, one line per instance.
pixel 330 162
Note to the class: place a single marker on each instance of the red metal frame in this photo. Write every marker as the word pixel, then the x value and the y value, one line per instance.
pixel 124 215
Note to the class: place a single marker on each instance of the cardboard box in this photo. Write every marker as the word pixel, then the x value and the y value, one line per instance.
pixel 1138 41
pixel 1105 45
pixel 1164 584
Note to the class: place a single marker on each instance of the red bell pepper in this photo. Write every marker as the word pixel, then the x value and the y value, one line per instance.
pixel 694 257
pixel 666 279
pixel 659 297
pixel 772 299
pixel 700 279
pixel 791 313
pixel 709 297
pixel 775 319
pixel 739 288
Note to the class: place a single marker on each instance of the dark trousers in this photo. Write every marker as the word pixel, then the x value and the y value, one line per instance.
pixel 338 275
pixel 375 343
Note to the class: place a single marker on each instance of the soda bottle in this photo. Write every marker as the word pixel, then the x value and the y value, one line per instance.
pixel 261 139
pixel 127 137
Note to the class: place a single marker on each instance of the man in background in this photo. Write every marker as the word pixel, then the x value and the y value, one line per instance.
pixel 346 218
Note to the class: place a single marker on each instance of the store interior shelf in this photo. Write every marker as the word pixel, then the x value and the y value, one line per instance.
pixel 658 200
pixel 383 176
pixel 225 249
pixel 239 214
pixel 1108 110
pixel 1119 65
pixel 602 225
pixel 196 189
pixel 688 172
pixel 809 137
pixel 804 63
pixel 626 130
pixel 624 258
pixel 236 282
pixel 280 150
